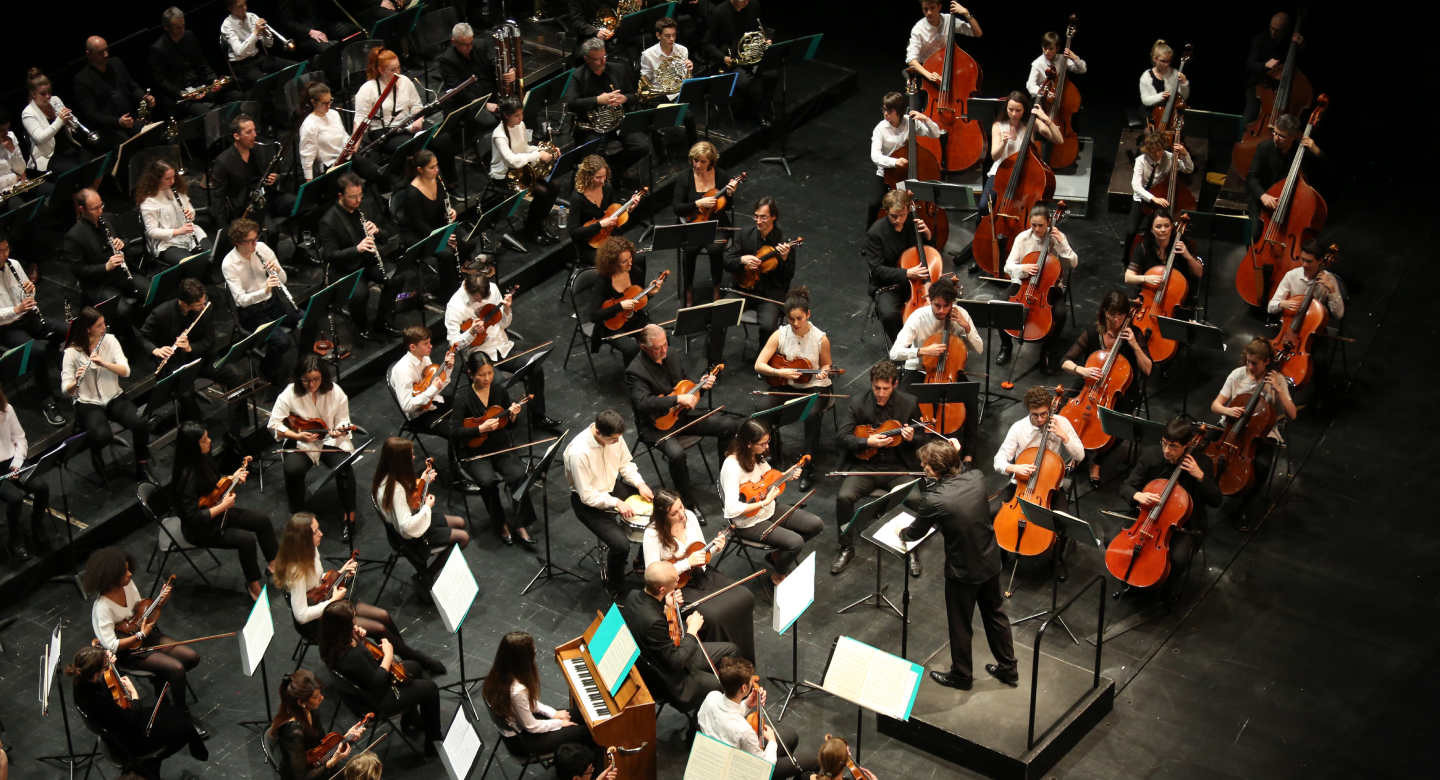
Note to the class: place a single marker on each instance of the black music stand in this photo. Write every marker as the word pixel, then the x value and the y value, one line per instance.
pixel 549 570
pixel 69 759
pixel 531 365
pixel 870 535
pixel 326 472
pixel 49 460
pixel 1231 228
pixel 540 97
pixel 397 25
pixel 941 393
pixel 72 181
pixel 1189 334
pixel 414 144
pixel 795 410
pixel 640 24
pixel 167 386
pixel 163 284
pixel 708 91
pixel 993 316
pixel 319 307
pixel 318 191
pixel 865 514
pixel 269 85
pixel 933 190
pixel 242 350
pixel 12 223
pixel 1057 523
pixel 777 56
pixel 15 362
pixel 1134 430
pixel 488 219
pixel 572 157
pixel 682 237
pixel 711 319
pixel 643 122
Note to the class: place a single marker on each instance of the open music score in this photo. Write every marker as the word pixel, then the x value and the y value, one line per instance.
pixel 613 649
pixel 625 719
pixel 711 759
pixel 873 679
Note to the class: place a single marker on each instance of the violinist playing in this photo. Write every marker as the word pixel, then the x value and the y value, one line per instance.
pixel 722 716
pixel 478 292
pixel 1154 250
pixel 1273 157
pixel 407 502
pixel 1197 478
pixel 173 727
pixel 321 408
pixel 745 462
pixel 619 269
pixel 1028 242
pixel 910 347
pixel 296 729
pixel 705 176
pixel 1110 331
pixel 885 241
pixel 1156 164
pixel 834 758
pixel 889 142
pixel 928 34
pixel 799 339
pixel 682 668
pixel 472 401
pixel 423 409
pixel 741 256
pixel 673 529
pixel 222 525
pixel 1255 374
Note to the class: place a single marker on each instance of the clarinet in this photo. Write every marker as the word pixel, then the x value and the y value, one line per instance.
pixel 94 353
pixel 380 261
pixel 193 242
pixel 21 282
pixel 110 239
pixel 270 272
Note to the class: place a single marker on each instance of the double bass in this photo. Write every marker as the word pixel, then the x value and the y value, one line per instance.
pixel 1034 292
pixel 1064 102
pixel 1140 555
pixel 1180 198
pixel 922 163
pixel 1160 300
pixel 1164 116
pixel 1299 215
pixel 945 368
pixel 960 76
pixel 914 256
pixel 1083 411
pixel 1012 531
pixel 1297 331
pixel 1021 181
pixel 1234 452
pixel 1284 90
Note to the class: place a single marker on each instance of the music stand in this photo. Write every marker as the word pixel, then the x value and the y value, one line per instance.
pixel 416 142
pixel 708 90
pixel 941 393
pixel 872 535
pixel 49 664
pixel 865 514
pixel 993 316
pixel 49 460
pixel 266 86
pixel 163 284
pixel 167 387
pixel 569 159
pixel 241 349
pixel 522 374
pixel 643 122
pixel 319 307
pixel 549 570
pixel 1134 430
pixel 12 223
pixel 539 97
pixel 777 56
pixel 428 247
pixel 792 411
pixel 15 362
pixel 72 181
pixel 487 220
pixel 1057 523
pixel 682 237
pixel 1189 334
pixel 454 123
pixel 933 190
pixel 712 319
pixel 641 23
pixel 325 475
pixel 317 192
pixel 396 25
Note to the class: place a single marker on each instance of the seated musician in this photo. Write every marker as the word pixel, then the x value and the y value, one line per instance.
pixel 682 669
pixel 465 305
pixel 172 730
pixel 222 525
pixel 511 147
pixel 1197 478
pixel 382 67
pixel 1161 81
pixel 236 173
pixel 910 348
pixel 799 338
pixel 98 263
pixel 1291 289
pixel 349 244
pixel 161 337
pixel 15 491
pixel 928 34
pixel 1111 331
pixel 54 146
pixel 730 616
pixel 177 63
pixel 366 766
pixel 704 176
pixel 1257 372
pixel 256 284
pixel 461 61
pixel 321 409
pixel 834 759
pixel 1007 135
pixel 106 96
pixel 592 182
pixel 170 230
pixel 12 165
pixel 728 22
pixel 651 378
pixel 322 135
pixel 894 452
pixel 741 256
pixel 397 492
pixel 1039 67
pixel 1154 250
pixel 745 462
pixel 512 692
pixel 90 373
pixel 1018 269
pixel 596 462
pixel 885 241
pixel 663 52
pixel 21 323
pixel 248 43
pixel 109 578
pixel 423 209
pixel 599 94
pixel 296 728
pixel 573 762
pixel 421 408
pixel 416 701
pixel 1155 165
pixel 582 15
pixel 890 143
pixel 722 717
pixel 313 26
pixel 1025 433
pixel 1273 157
pixel 472 400
pixel 1268 50
pixel 298 569
pixel 619 270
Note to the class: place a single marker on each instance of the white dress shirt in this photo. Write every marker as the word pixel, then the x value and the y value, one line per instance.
pixel 512 149
pixel 403 376
pixel 13 445
pixel 246 278
pixel 1022 436
pixel 104 614
pixel 12 164
pixel 654 551
pixel 100 385
pixel 332 407
pixel 592 468
pixel 1238 383
pixel 1150 97
pixel 238 35
pixel 411 525
pixel 1040 65
pixel 922 325
pixel 11 293
pixel 1292 285
pixel 299 601
pixel 1026 242
pixel 403 99
pixel 927 38
pixel 732 476
pixel 162 218
pixel 44 133
pixel 887 140
pixel 1147 172
pixel 724 720
pixel 497 343
pixel 650 63
pixel 321 141
pixel 524 713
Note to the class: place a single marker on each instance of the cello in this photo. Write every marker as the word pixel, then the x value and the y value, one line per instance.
pixel 944 368
pixel 946 102
pixel 1299 215
pixel 1285 90
pixel 1140 555
pixel 1034 293
pixel 1234 452
pixel 1063 105
pixel 1012 532
pixel 1025 181
pixel 1297 331
pixel 934 265
pixel 1160 300
pixel 1164 117
pixel 1083 411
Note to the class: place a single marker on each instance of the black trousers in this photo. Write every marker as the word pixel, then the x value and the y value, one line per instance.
pixel 1050 343
pixel 171 257
pixel 633 148
pixel 13 495
pixel 755 93
pixel 415 695
pixel 785 767
pixel 95 419
pixel 969 432
pixel 297 466
pixel 547 742
pixel 280 342
pixel 856 488
pixel 721 428
pixel 701 680
pixel 1252 104
pixel 960 601
pixel 127 304
pixel 716 253
pixel 534 385
pixel 543 195
pixel 789 537
pixel 492 472
pixel 258 66
pixel 891 305
pixel 812 424
pixel 878 188
pixel 241 530
pixel 605 526
pixel 360 301
pixel 1137 218
pixel 49 343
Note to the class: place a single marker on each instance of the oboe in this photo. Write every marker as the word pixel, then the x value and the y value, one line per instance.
pixel 183 334
pixel 20 280
pixel 193 242
pixel 110 239
pixel 378 259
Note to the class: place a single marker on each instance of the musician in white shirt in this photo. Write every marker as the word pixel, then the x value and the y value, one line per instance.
pixel 602 474
pixel 314 396
pixel 889 145
pixel 1025 244
pixel 1026 432
pixel 510 141
pixel 394 489
pixel 322 134
pixel 247 40
pixel 650 60
pixel 1156 164
pixel 12 159
pixel 252 273
pixel 512 691
pixel 1293 283
pixel 20 323
pixel 170 230
pixel 476 293
pixel 90 373
pixel 422 409
pixel 910 348
pixel 381 69
pixel 928 34
pixel 1050 45
pixel 14 490
pixel 722 717
pixel 53 147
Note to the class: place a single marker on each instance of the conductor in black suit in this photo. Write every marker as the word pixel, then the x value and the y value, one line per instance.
pixel 955 502
pixel 348 244
pixel 682 668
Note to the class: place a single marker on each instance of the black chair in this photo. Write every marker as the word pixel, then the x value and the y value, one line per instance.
pixel 744 546
pixel 514 746
pixel 584 280
pixel 687 442
pixel 352 63
pixel 305 631
pixel 412 550
pixel 359 704
pixel 168 538
pixel 117 752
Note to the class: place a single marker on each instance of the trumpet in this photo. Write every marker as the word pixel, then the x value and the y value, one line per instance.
pixel 74 123
pixel 110 237
pixel 288 44
pixel 20 282
pixel 142 113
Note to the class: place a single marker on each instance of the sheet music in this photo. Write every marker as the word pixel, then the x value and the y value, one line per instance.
pixel 846 676
pixel 794 595
pixel 889 684
pixel 256 635
pixel 889 534
pixel 711 759
pixel 615 664
pixel 460 747
pixel 454 590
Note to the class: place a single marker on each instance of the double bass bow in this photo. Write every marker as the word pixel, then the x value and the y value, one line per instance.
pixel 1284 90
pixel 1297 331
pixel 1116 373
pixel 1034 292
pixel 944 368
pixel 1021 181
pixel 963 143
pixel 1064 102
pixel 1139 556
pixel 1160 300
pixel 1012 532
pixel 920 253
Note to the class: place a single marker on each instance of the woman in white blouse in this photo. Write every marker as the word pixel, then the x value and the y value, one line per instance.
pixel 322 134
pixel 314 398
pixel 13 492
pixel 745 462
pixel 408 508
pixel 512 691
pixel 510 142
pixel 90 373
pixel 383 67
pixel 53 147
pixel 890 142
pixel 297 569
pixel 170 230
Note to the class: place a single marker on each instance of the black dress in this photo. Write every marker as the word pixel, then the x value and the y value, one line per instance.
pixel 492 472
pixel 244 530
pixel 584 211
pixel 603 291
pixel 685 208
pixel 172 729
pixel 290 759
pixel 388 697
pixel 419 216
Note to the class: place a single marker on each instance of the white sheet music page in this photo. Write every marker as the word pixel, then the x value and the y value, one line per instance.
pixel 711 759
pixel 454 590
pixel 617 657
pixel 848 666
pixel 461 746
pixel 888 685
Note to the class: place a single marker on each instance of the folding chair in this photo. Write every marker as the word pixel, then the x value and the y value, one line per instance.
pixel 168 536
pixel 514 746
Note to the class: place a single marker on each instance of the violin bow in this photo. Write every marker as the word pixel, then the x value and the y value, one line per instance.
pixel 752 576
pixel 752 295
pixel 676 432
pixel 519 447
pixel 817 395
pixel 367 749
pixel 637 330
pixel 526 352
pixel 182 642
pixel 781 519
pixel 158 701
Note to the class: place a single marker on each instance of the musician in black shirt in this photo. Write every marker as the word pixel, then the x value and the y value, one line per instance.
pixel 599 86
pixel 172 730
pixel 1273 158
pixel 682 669
pixel 349 243
pixel 236 175
pixel 583 14
pixel 741 255
pixel 106 97
pixel 1267 51
pixel 466 58
pixel 314 25
pixel 98 263
pixel 729 22
pixel 885 242
pixel 472 400
pixel 161 337
pixel 177 64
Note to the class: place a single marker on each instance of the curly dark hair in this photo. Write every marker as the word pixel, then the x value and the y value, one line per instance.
pixel 149 184
pixel 607 257
pixel 336 634
pixel 106 570
pixel 884 371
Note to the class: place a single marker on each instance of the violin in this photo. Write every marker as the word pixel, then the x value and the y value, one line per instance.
pixel 488 317
pixel 306 424
pixel 225 486
pixel 117 689
pixel 431 373
pixel 1034 292
pixel 684 387
pixel 498 413
pixel 1140 555
pixel 632 293
pixel 960 76
pixel 769 257
pixel 890 428
pixel 721 201
pixel 756 490
pixel 1063 105
pixel 422 487
pixel 621 211
pixel 146 610
pixel 934 266
pixel 1012 531
pixel 332 742
pixel 1083 411
pixel 1297 217
pixel 397 669
pixel 321 593
pixel 1021 181
pixel 1164 116
pixel 700 547
pixel 946 367
pixel 804 367
pixel 1234 452
pixel 1297 331
pixel 922 154
pixel 1160 300
pixel 1284 90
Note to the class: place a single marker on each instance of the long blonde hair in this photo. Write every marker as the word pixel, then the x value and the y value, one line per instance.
pixel 295 560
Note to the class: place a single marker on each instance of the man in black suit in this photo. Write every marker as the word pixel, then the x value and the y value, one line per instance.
pixel 466 58
pixel 729 20
pixel 1273 157
pixel 892 453
pixel 955 501
pixel 106 97
pixel 651 377
pixel 1267 51
pixel 177 64
pixel 236 174
pixel 682 668
pixel 598 82
pixel 99 265
pixel 160 336
pixel 313 26
pixel 582 15
pixel 347 243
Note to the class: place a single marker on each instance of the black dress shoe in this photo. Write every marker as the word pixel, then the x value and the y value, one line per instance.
pixel 1012 679
pixel 807 478
pixel 541 421
pixel 699 514
pixel 1095 483
pixel 847 554
pixel 52 413
pixel 468 487
pixel 200 730
pixel 18 551
pixel 1047 364
pixel 384 329
pixel 949 680
pixel 528 541
pixel 543 237
pixel 508 539
pixel 1003 356
pixel 913 564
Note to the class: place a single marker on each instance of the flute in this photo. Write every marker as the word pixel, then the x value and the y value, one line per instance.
pixel 183 334
pixel 94 353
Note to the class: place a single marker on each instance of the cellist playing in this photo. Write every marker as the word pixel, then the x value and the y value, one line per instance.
pixel 1008 134
pixel 1154 166
pixel 1111 331
pixel 910 347
pixel 1026 243
pixel 1246 379
pixel 1154 250
pixel 1025 433
pixel 1273 157
pixel 885 242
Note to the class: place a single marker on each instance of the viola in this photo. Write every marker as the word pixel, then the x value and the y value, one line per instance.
pixel 397 669
pixel 947 104
pixel 770 259
pixel 332 742
pixel 1083 411
pixel 890 428
pixel 1021 181
pixel 1297 217
pixel 146 610
pixel 1284 90
pixel 1012 531
pixel 1140 555
pixel 807 370
pixel 488 317
pixel 498 413
pixel 632 293
pixel 431 373
pixel 422 487
pixel 1160 300
pixel 700 547
pixel 225 486
pixel 321 593
pixel 117 688
pixel 944 368
pixel 922 155
pixel 914 256
pixel 673 625
pixel 621 211
pixel 1234 452
pixel 1034 292
pixel 684 387
pixel 756 490
pixel 1164 116
pixel 721 201
pixel 1297 331
pixel 1063 105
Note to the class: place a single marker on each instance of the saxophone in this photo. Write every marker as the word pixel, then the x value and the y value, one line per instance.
pixel 669 75
pixel 751 48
